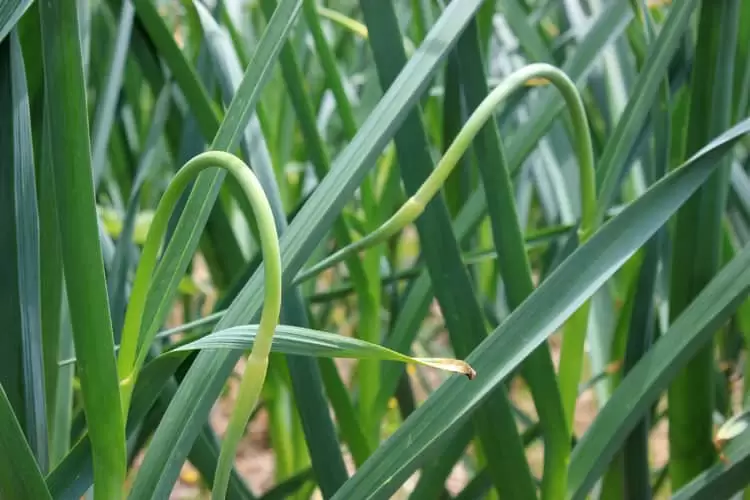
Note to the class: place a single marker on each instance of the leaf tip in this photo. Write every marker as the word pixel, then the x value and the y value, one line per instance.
pixel 451 365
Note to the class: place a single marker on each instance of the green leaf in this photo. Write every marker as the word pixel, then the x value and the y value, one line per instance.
pixel 195 93
pixel 537 370
pixel 12 365
pixel 323 444
pixel 206 377
pixel 433 477
pixel 62 391
pixel 228 255
pixel 71 478
pixel 453 289
pixel 368 298
pixel 528 37
pixel 27 239
pixel 724 479
pixel 56 342
pixel 10 12
pixel 690 331
pixel 253 144
pixel 742 65
pixel 364 272
pixel 634 467
pixel 477 488
pixel 82 255
pixel 613 161
pixel 289 486
pixel 697 240
pixel 106 103
pixel 122 263
pixel 413 310
pixel 640 336
pixel 20 476
pixel 307 342
pixel 572 283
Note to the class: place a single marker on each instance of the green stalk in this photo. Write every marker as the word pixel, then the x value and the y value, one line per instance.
pixel 506 231
pixel 415 205
pixel 697 240
pixel 330 67
pixel 65 100
pixel 134 349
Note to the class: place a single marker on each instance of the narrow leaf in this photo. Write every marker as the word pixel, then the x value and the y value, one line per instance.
pixel 307 342
pixel 27 238
pixel 204 381
pixel 571 284
pixel 82 256
pixel 651 375
pixel 20 476
pixel 10 12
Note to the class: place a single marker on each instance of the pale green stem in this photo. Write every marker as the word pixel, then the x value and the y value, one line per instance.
pixel 415 205
pixel 574 339
pixel 134 342
pixel 571 360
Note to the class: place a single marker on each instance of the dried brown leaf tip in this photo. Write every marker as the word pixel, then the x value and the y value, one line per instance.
pixel 451 365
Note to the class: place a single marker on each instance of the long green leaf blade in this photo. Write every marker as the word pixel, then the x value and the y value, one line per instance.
pixel 454 291
pixel 697 240
pixel 10 12
pixel 513 262
pixel 27 238
pixel 82 256
pixel 652 374
pixel 107 102
pixel 307 342
pixel 195 93
pixel 20 476
pixel 614 157
pixel 11 367
pixel 571 284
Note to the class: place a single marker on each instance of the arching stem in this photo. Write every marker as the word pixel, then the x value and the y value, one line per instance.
pixel 135 341
pixel 573 341
pixel 414 206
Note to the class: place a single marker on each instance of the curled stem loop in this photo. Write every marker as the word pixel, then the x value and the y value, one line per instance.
pixel 414 206
pixel 136 338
